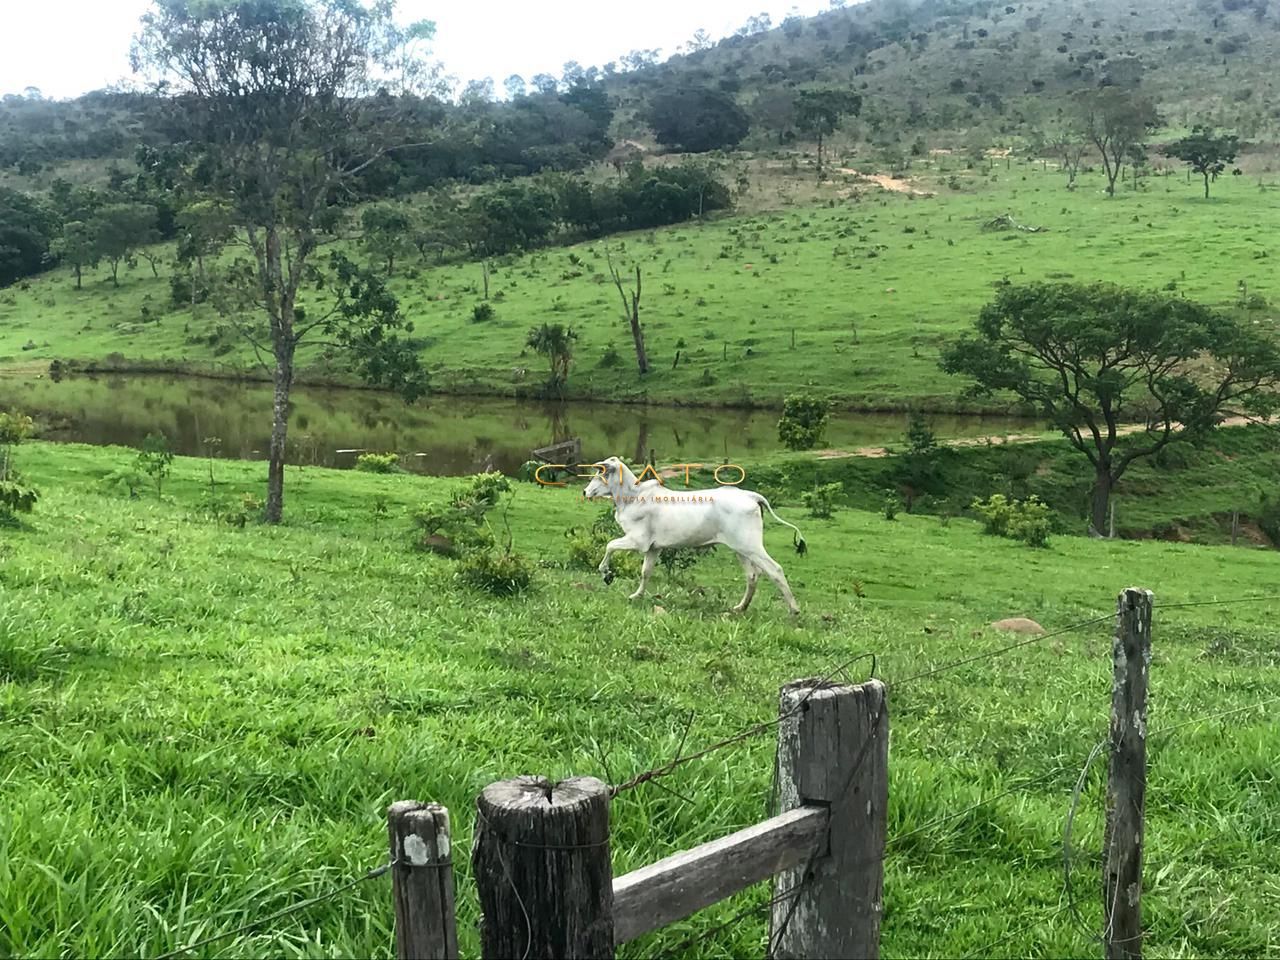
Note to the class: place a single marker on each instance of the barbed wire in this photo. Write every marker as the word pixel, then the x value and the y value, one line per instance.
pixel 1215 603
pixel 985 952
pixel 279 914
pixel 745 734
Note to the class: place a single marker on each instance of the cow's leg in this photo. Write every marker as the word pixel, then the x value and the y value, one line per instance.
pixel 646 571
pixel 621 543
pixel 753 575
pixel 769 567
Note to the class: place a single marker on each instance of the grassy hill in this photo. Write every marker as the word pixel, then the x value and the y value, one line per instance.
pixel 852 296
pixel 220 716
pixel 987 68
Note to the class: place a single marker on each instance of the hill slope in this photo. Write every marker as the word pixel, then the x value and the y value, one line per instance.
pixel 952 65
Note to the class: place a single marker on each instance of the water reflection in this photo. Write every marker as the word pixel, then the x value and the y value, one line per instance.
pixel 443 435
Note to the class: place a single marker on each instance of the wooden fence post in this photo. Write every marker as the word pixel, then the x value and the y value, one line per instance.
pixel 1127 777
pixel 833 749
pixel 422 881
pixel 541 863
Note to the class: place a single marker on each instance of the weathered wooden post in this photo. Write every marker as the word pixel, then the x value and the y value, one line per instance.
pixel 833 750
pixel 1127 777
pixel 422 881
pixel 541 863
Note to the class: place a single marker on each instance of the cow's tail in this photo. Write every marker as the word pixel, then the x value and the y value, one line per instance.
pixel 801 547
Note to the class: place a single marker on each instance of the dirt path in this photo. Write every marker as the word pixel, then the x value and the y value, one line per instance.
pixel 876 452
pixel 886 182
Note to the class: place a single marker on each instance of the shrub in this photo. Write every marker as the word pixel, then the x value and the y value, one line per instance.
pixel 586 546
pixel 484 488
pixel 804 419
pixel 892 504
pixel 1031 523
pixel 378 462
pixel 821 501
pixel 680 559
pixel 127 478
pixel 500 574
pixel 1269 518
pixel 459 526
pixel 1026 520
pixel 482 313
pixel 611 357
pixel 155 458
pixel 15 496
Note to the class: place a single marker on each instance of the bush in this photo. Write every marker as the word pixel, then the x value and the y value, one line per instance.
pixel 482 313
pixel 1026 520
pixel 459 526
pixel 1269 518
pixel 821 501
pixel 804 419
pixel 378 462
pixel 611 357
pixel 678 560
pixel 586 546
pixel 15 496
pixel 892 504
pixel 500 574
pixel 155 458
pixel 484 488
pixel 127 479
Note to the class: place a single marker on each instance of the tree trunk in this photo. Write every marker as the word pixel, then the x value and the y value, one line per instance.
pixel 77 276
pixel 115 273
pixel 1206 185
pixel 637 333
pixel 819 156
pixel 1102 486
pixel 279 434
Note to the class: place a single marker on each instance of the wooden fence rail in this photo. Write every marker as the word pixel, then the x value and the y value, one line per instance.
pixel 541 854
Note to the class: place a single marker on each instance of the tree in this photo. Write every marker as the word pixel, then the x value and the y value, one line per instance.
pixel 804 420
pixel 286 103
pixel 916 469
pixel 1114 121
pixel 701 40
pixel 819 112
pixel 545 83
pixel 1068 147
pixel 1091 358
pixel 78 247
pixel 27 229
pixel 775 111
pixel 477 92
pixel 1204 153
pixel 204 228
pixel 631 312
pixel 555 342
pixel 119 229
pixel 697 119
pixel 514 85
pixel 387 233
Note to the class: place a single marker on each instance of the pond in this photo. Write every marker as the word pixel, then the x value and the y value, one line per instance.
pixel 440 435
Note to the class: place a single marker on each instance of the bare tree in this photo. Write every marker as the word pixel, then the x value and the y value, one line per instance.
pixel 631 312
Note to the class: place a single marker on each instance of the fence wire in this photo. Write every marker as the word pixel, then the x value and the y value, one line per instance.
pixel 280 914
pixel 793 893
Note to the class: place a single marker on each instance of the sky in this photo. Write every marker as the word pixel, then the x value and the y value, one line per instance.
pixel 68 47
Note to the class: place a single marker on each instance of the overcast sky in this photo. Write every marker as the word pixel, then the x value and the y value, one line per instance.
pixel 67 47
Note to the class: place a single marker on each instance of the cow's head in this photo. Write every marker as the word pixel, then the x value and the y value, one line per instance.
pixel 606 478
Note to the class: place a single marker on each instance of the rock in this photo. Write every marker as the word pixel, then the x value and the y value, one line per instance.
pixel 1019 625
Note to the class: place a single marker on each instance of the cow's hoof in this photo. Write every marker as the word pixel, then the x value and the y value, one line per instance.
pixel 608 577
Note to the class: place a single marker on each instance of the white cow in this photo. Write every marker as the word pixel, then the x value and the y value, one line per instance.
pixel 654 518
